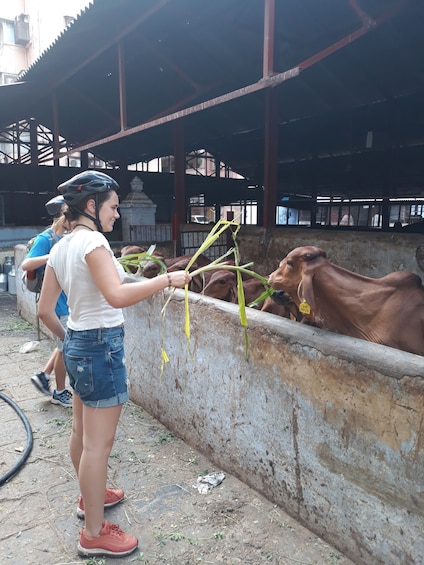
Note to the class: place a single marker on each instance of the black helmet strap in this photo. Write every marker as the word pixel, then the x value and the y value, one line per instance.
pixel 95 219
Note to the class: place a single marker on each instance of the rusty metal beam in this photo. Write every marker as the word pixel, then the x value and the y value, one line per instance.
pixel 33 142
pixel 264 83
pixel 56 143
pixel 270 158
pixel 351 37
pixel 268 50
pixel 270 119
pixel 365 18
pixel 122 91
pixel 179 184
pixel 256 87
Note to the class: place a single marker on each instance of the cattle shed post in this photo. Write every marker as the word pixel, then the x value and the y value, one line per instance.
pixel 179 216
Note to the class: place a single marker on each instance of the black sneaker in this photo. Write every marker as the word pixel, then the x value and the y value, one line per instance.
pixel 64 398
pixel 41 382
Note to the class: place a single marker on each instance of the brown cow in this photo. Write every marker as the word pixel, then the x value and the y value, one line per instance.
pixel 281 304
pixel 136 250
pixel 151 269
pixel 389 310
pixel 132 250
pixel 223 285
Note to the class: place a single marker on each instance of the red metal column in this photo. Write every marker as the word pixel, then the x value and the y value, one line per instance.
pixel 271 120
pixel 84 160
pixel 179 185
pixel 33 142
pixel 270 158
pixel 56 144
pixel 268 55
pixel 17 136
pixel 122 88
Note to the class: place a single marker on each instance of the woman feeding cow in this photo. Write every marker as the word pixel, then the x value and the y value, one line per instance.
pixel 83 265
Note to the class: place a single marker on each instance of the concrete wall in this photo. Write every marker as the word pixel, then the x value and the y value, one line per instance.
pixel 373 254
pixel 26 301
pixel 328 427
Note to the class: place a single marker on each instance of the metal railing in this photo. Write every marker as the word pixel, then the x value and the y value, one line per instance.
pixel 190 240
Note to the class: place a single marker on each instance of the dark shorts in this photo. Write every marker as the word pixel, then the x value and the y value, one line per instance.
pixel 95 362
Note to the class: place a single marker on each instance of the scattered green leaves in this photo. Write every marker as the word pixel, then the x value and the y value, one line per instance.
pixel 137 261
pixel 18 326
pixel 95 561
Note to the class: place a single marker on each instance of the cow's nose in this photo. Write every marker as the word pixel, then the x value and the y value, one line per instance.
pixel 280 297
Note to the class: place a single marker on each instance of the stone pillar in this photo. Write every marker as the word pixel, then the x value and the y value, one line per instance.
pixel 136 209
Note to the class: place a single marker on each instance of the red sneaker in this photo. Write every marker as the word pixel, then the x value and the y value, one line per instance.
pixel 111 541
pixel 112 497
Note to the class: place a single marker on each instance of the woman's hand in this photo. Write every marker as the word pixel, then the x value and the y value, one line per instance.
pixel 178 279
pixel 121 295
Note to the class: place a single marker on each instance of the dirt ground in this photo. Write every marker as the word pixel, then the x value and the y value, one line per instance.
pixel 175 523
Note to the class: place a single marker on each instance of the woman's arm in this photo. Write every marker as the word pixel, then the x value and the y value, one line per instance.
pixel 121 295
pixel 50 292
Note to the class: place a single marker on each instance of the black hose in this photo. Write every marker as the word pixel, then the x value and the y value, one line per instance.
pixel 30 440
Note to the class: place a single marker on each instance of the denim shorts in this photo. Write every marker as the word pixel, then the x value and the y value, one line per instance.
pixel 95 362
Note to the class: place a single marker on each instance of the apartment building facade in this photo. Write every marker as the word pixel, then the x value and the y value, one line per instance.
pixel 29 27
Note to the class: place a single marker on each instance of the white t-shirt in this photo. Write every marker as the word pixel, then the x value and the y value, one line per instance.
pixel 88 308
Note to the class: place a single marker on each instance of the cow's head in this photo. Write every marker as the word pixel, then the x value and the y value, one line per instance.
pixel 296 271
pixel 151 269
pixel 222 285
pixel 132 250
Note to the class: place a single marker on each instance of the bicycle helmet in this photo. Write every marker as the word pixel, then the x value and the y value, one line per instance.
pixel 88 183
pixel 54 206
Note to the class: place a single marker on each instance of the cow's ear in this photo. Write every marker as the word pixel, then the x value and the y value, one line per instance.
pixel 307 290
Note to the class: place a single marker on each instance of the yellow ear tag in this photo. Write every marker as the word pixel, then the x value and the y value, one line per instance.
pixel 304 307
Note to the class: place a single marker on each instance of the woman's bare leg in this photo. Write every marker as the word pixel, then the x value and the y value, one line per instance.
pixel 75 442
pixel 49 366
pixel 98 434
pixel 59 371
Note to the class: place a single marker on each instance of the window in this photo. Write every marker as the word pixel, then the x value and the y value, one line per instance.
pixel 7 32
pixel 7 78
pixel 408 211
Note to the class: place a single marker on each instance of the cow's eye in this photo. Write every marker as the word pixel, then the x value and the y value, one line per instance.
pixel 290 263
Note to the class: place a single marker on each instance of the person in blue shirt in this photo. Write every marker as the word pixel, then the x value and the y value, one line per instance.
pixel 36 259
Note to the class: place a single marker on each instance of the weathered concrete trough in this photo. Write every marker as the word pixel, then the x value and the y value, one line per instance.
pixel 329 427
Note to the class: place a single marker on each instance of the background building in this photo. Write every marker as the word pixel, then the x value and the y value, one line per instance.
pixel 28 27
